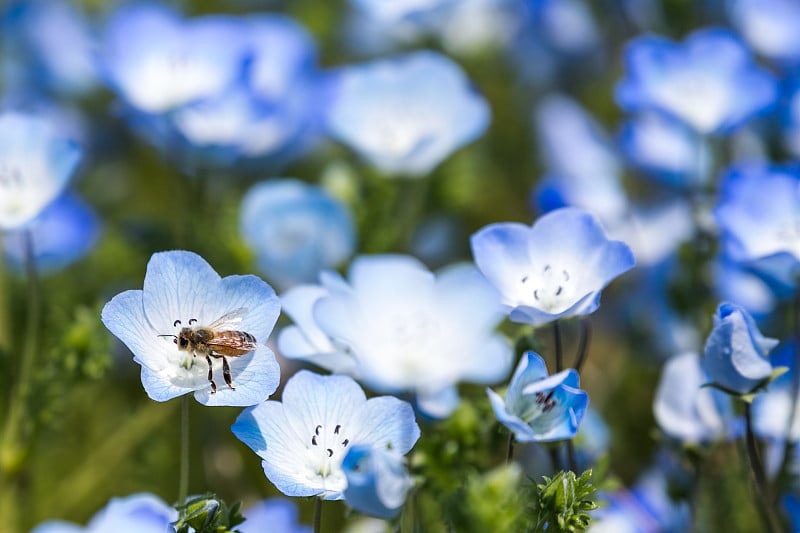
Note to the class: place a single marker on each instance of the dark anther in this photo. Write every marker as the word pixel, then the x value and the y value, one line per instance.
pixel 549 395
pixel 336 429
pixel 559 289
pixel 175 324
pixel 330 452
pixel 345 442
pixel 539 398
pixel 566 275
pixel 524 279
pixel 547 268
pixel 314 440
pixel 536 294
pixel 316 430
pixel 192 321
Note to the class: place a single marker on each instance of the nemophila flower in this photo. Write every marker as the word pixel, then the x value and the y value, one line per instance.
pixel 757 212
pixel 736 351
pixel 734 283
pixel 553 269
pixel 36 162
pixel 774 414
pixel 166 326
pixel 687 411
pixel 398 10
pixel 566 26
pixel 397 327
pixel 710 81
pixel 538 407
pixel 276 515
pixel 655 231
pixel 295 229
pixel 770 26
pixel 377 480
pixel 138 513
pixel 405 114
pixel 790 118
pixel 304 438
pixel 62 234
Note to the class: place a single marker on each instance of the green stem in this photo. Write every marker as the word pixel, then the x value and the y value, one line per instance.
pixel 558 348
pixel 183 480
pixel 5 327
pixel 510 448
pixel 318 515
pixel 583 347
pixel 761 483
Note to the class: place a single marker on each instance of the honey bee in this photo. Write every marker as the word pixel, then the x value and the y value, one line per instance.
pixel 218 340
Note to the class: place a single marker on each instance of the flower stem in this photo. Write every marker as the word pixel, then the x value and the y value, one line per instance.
pixel 761 487
pixel 583 346
pixel 571 460
pixel 183 480
pixel 318 515
pixel 5 327
pixel 510 448
pixel 558 348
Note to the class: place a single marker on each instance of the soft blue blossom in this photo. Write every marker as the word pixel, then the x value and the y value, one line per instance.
pixel 734 283
pixel 405 114
pixel 138 513
pixel 36 162
pixel 710 81
pixel 296 230
pixel 687 411
pixel 276 515
pixel 398 10
pixel 757 212
pixel 774 415
pixel 397 327
pixel 554 269
pixel 377 480
pixel 62 234
pixel 179 289
pixel 538 407
pixel 566 27
pixel 327 415
pixel 735 355
pixel 770 26
pixel 790 117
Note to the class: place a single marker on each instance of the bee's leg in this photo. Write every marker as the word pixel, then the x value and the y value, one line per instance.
pixel 226 373
pixel 211 375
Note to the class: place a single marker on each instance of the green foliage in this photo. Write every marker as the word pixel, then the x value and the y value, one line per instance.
pixel 493 501
pixel 562 503
pixel 208 514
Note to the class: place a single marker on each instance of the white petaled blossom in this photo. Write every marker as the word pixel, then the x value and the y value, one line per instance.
pixel 304 438
pixel 36 162
pixel 397 327
pixel 182 291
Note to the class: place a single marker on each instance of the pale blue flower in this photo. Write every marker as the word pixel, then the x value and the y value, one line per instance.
pixel 377 480
pixel 62 234
pixel 304 439
pixel 734 283
pixel 770 26
pixel 398 327
pixel 138 513
pixel 710 81
pixel 790 117
pixel 736 351
pixel 36 162
pixel 538 407
pixel 179 289
pixel 405 114
pixel 398 10
pixel 687 411
pixel 774 414
pixel 566 27
pixel 296 230
pixel 276 515
pixel 554 269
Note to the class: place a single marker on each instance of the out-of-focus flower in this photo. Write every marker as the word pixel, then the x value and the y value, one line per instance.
pixel 538 407
pixel 182 293
pixel 734 283
pixel 774 416
pixel 790 118
pixel 328 415
pixel 405 114
pixel 770 26
pixel 735 355
pixel 420 332
pixel 687 411
pixel 710 81
pixel 757 213
pixel 276 515
pixel 554 269
pixel 566 26
pixel 655 231
pixel 36 162
pixel 138 513
pixel 398 10
pixel 377 480
pixel 63 233
pixel 296 230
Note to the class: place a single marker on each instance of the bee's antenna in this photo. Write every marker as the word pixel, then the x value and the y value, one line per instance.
pixel 173 336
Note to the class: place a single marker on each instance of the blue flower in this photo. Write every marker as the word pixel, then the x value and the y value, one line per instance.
pixel 774 414
pixel 736 351
pixel 554 269
pixel 36 162
pixel 377 480
pixel 757 213
pixel 406 114
pixel 296 230
pixel 538 407
pixel 181 291
pixel 770 26
pixel 687 411
pixel 304 439
pixel 276 515
pixel 62 234
pixel 399 10
pixel 138 513
pixel 710 81
pixel 397 327
pixel 734 283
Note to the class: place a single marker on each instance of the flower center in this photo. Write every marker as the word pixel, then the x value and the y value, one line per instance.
pixel 544 403
pixel 10 176
pixel 325 449
pixel 788 235
pixel 551 289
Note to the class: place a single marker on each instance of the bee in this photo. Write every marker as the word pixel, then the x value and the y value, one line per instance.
pixel 219 340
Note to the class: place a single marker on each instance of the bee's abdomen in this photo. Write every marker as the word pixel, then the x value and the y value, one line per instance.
pixel 233 343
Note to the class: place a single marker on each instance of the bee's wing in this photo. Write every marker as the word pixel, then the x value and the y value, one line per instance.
pixel 229 320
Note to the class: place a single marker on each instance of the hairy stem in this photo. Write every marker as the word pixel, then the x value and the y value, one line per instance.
pixel 318 515
pixel 558 348
pixel 183 480
pixel 510 448
pixel 583 346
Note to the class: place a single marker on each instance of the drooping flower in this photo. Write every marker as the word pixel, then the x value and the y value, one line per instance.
pixel 182 291
pixel 538 407
pixel 710 81
pixel 553 269
pixel 405 114
pixel 304 438
pixel 736 351
pixel 296 230
pixel 36 162
pixel 276 515
pixel 397 327
pixel 377 480
pixel 138 513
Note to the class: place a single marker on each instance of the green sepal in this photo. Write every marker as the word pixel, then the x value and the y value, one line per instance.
pixel 208 514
